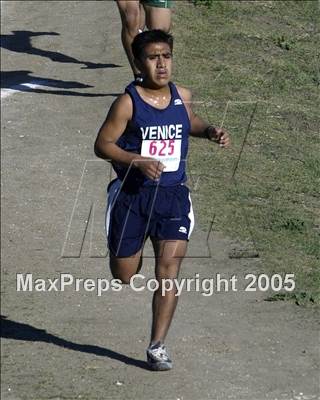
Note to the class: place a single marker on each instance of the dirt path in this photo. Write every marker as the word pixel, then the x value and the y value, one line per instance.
pixel 74 344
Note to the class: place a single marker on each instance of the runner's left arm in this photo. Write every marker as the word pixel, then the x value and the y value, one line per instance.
pixel 199 127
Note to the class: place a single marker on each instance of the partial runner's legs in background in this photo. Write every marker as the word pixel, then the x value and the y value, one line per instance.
pixel 142 18
pixel 158 18
pixel 135 15
pixel 130 18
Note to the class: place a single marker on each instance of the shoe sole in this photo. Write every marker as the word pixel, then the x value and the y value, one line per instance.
pixel 160 366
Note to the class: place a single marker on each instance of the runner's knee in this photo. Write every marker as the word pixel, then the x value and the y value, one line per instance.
pixel 168 269
pixel 124 278
pixel 164 26
pixel 124 269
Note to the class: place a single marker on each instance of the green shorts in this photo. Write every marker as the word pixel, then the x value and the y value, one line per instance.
pixel 158 3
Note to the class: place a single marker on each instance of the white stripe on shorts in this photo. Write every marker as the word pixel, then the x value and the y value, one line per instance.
pixel 112 194
pixel 191 217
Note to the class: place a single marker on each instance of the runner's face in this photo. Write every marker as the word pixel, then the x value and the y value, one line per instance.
pixel 157 64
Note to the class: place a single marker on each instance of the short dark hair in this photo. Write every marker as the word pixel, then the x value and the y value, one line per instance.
pixel 141 41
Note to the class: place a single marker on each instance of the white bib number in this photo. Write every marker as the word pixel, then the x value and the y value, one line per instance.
pixel 166 151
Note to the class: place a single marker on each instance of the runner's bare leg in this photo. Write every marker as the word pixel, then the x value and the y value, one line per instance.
pixel 158 18
pixel 130 17
pixel 169 255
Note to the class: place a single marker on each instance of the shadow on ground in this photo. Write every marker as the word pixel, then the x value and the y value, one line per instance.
pixel 19 331
pixel 20 42
pixel 24 82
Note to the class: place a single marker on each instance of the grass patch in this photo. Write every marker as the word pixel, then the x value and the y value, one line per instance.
pixel 240 53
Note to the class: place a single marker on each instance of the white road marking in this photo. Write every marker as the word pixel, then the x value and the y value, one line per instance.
pixel 6 92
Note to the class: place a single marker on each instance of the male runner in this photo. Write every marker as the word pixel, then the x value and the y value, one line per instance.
pixel 135 15
pixel 145 135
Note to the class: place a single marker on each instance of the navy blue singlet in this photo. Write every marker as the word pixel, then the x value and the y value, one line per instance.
pixel 158 133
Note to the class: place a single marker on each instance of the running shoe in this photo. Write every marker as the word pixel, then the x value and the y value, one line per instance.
pixel 158 359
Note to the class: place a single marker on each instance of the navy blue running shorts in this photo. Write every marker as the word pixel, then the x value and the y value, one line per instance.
pixel 163 213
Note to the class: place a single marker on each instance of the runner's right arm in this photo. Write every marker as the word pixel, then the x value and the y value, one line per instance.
pixel 113 127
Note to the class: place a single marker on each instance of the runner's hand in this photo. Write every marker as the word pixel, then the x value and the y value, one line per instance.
pixel 150 167
pixel 220 136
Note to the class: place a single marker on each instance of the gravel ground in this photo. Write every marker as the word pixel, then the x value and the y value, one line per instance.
pixel 74 344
